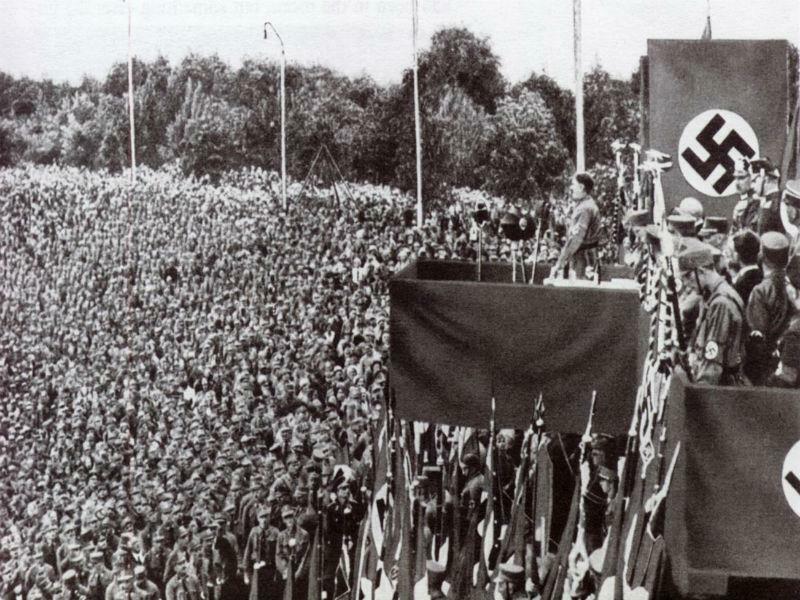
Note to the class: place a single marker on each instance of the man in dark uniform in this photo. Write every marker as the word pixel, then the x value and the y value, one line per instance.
pixel 259 557
pixel 182 585
pixel 475 483
pixel 787 375
pixel 746 211
pixel 716 349
pixel 290 552
pixel 767 179
pixel 769 309
pixel 583 234
pixel 682 227
pixel 747 245
pixel 790 214
pixel 342 520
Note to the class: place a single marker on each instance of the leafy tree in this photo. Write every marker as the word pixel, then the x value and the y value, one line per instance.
pixel 458 58
pixel 611 111
pixel 526 159
pixel 561 103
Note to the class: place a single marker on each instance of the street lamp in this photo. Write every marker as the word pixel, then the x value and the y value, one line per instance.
pixel 283 110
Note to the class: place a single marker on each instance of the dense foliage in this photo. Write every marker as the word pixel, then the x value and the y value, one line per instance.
pixel 478 130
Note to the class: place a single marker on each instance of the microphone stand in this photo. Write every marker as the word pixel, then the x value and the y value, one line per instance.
pixel 480 249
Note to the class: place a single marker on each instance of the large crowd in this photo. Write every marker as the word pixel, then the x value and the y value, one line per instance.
pixel 188 372
pixel 192 377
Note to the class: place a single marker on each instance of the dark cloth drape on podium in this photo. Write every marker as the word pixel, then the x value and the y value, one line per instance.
pixel 729 524
pixel 457 343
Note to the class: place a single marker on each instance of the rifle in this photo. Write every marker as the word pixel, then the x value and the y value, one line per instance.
pixel 672 292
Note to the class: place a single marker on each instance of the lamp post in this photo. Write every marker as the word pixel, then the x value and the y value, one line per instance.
pixel 417 125
pixel 580 159
pixel 130 95
pixel 283 110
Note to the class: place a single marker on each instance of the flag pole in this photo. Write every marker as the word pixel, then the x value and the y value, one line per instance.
pixel 283 111
pixel 417 127
pixel 130 96
pixel 580 160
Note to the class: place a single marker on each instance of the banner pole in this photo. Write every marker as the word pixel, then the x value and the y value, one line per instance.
pixel 417 127
pixel 580 160
pixel 130 96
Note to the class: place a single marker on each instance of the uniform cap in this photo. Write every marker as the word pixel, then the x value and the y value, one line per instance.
pixel 695 254
pixel 765 164
pixel 691 207
pixel 637 218
pixel 775 247
pixel 70 575
pixel 684 225
pixel 714 225
pixel 287 510
pixel 792 192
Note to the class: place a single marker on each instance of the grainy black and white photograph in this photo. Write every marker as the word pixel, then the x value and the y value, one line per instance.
pixel 400 300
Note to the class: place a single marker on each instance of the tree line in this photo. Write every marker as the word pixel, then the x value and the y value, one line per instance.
pixel 479 130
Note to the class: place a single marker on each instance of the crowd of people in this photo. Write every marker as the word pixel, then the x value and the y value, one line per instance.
pixel 189 372
pixel 192 377
pixel 740 279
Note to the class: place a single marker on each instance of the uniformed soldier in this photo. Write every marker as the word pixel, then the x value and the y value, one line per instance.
pixel 746 246
pixel 746 211
pixel 715 233
pixel 766 182
pixel 769 309
pixel 146 589
pixel 583 235
pixel 716 351
pixel 181 549
pixel 790 214
pixel 259 557
pixel 475 482
pixel 183 585
pixel 787 375
pixel 290 552
pixel 100 576
pixel 511 582
pixel 342 520
pixel 634 243
pixel 691 207
pixel 681 227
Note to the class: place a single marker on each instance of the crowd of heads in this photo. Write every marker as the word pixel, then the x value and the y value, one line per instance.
pixel 171 347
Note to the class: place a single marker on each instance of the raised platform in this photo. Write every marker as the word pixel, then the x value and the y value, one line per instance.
pixel 457 343
pixel 730 529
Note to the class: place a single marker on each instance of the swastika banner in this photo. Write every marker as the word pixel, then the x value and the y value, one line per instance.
pixel 733 510
pixel 711 103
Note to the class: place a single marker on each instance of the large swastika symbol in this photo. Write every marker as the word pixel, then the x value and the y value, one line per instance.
pixel 718 154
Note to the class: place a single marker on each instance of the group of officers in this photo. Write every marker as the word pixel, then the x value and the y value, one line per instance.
pixel 738 280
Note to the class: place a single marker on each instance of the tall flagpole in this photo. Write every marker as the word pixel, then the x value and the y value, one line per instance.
pixel 130 95
pixel 283 111
pixel 580 160
pixel 417 128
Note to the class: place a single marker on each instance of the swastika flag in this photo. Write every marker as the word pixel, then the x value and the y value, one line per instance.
pixel 711 103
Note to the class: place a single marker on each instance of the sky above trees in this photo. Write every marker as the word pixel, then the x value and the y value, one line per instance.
pixel 65 40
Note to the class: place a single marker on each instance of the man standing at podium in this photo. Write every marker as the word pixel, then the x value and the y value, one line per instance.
pixel 583 234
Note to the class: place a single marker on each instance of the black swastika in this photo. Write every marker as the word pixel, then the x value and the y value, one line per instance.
pixel 718 154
